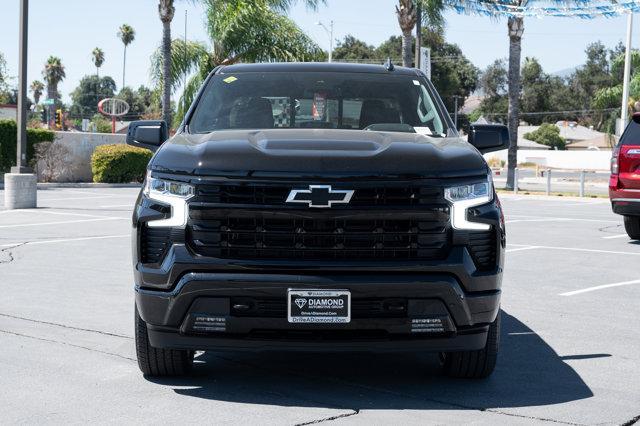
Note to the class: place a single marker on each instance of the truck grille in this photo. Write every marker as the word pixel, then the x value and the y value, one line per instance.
pixel 254 222
pixel 275 194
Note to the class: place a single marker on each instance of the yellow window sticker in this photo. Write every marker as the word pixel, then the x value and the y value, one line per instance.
pixel 230 79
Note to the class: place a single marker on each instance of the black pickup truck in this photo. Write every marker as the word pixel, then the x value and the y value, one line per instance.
pixel 318 207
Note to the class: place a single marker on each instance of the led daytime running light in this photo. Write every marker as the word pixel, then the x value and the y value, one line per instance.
pixel 175 194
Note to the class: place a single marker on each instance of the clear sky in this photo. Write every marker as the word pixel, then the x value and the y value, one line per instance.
pixel 71 29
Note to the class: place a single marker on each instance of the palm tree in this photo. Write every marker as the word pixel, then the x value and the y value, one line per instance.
pixel 37 87
pixel 127 34
pixel 407 13
pixel 53 74
pixel 98 59
pixel 515 26
pixel 407 18
pixel 166 12
pixel 240 30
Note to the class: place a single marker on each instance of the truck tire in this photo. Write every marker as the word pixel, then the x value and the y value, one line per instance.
pixel 474 364
pixel 156 362
pixel 632 226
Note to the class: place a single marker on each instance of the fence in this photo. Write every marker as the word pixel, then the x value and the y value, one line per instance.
pixel 569 160
pixel 582 183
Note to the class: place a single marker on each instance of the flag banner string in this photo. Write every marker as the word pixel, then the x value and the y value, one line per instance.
pixel 583 9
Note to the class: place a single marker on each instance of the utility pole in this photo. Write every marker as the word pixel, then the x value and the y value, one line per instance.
pixel 20 186
pixel 624 114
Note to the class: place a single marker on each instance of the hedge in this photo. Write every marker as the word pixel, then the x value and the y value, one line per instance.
pixel 8 138
pixel 119 163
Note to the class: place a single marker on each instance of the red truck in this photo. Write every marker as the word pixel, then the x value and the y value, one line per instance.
pixel 624 184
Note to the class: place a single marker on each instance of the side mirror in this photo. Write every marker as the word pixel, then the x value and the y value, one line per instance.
pixel 489 137
pixel 636 117
pixel 148 134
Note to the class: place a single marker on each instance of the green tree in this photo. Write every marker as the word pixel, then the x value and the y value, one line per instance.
pixel 240 30
pixel 392 49
pixel 592 76
pixel 141 102
pixel 37 87
pixel 493 83
pixel 53 74
pixel 91 90
pixel 126 34
pixel 353 49
pixel 98 59
pixel 547 134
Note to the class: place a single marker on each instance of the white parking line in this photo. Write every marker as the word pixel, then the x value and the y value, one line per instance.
pixel 521 249
pixel 78 191
pixel 599 287
pixel 68 214
pixel 64 240
pixel 587 203
pixel 130 205
pixel 22 225
pixel 80 198
pixel 579 249
pixel 610 237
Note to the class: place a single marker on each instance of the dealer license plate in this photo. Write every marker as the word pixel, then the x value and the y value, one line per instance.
pixel 319 306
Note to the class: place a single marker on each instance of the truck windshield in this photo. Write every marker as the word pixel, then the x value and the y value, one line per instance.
pixel 328 100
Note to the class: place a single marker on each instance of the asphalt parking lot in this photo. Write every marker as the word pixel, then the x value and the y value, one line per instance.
pixel 570 339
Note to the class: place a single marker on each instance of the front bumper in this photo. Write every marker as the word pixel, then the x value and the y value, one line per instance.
pixel 462 317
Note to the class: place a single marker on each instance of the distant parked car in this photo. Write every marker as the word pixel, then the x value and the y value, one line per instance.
pixel 624 184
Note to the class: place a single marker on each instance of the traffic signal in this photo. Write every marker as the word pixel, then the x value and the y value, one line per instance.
pixel 59 118
pixel 43 115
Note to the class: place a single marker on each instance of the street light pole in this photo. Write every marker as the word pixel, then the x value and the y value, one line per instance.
pixel 331 43
pixel 21 163
pixel 329 32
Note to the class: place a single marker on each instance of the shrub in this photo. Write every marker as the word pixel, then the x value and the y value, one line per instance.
pixel 8 138
pixel 119 163
pixel 102 125
pixel 547 134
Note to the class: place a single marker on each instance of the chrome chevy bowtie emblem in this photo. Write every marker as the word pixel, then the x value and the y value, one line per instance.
pixel 320 196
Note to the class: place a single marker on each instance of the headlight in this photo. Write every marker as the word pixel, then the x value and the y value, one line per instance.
pixel 463 197
pixel 173 193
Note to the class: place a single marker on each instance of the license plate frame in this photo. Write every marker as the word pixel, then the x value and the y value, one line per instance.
pixel 318 306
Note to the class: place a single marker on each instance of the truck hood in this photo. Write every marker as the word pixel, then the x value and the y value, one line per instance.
pixel 317 152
